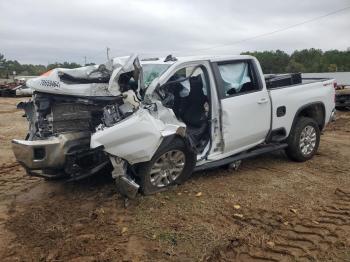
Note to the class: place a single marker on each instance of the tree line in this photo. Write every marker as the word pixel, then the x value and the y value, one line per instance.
pixel 7 67
pixel 306 61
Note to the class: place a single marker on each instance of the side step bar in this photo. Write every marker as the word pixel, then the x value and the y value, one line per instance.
pixel 252 153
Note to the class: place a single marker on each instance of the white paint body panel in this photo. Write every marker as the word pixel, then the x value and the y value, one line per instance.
pixel 295 97
pixel 50 82
pixel 245 122
pixel 137 137
pixel 134 139
pixel 24 91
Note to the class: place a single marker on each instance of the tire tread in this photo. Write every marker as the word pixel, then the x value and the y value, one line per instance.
pixel 293 151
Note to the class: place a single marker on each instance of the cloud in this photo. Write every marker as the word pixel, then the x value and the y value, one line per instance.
pixel 40 31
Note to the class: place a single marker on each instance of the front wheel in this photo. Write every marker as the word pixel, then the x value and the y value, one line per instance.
pixel 172 164
pixel 303 140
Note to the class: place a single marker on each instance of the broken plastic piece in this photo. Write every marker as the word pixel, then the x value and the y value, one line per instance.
pixel 170 58
pixel 125 185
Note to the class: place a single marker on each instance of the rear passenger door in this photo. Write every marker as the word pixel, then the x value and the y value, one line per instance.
pixel 246 106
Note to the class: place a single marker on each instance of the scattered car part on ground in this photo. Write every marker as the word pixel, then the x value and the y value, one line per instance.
pixel 152 123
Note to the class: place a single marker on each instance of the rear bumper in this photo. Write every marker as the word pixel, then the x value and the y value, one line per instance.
pixel 49 153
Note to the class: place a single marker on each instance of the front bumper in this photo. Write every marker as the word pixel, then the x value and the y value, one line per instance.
pixel 49 153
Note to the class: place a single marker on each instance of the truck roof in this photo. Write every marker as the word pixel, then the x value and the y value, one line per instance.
pixel 183 59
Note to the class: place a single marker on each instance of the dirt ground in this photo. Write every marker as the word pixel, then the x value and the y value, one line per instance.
pixel 271 209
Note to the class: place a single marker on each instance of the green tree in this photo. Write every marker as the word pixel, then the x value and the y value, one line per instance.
pixel 2 60
pixel 271 61
pixel 2 66
pixel 62 65
pixel 306 60
pixel 295 67
pixel 332 68
pixel 311 59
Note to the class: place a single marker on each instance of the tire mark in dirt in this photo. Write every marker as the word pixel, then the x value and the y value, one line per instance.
pixel 5 168
pixel 294 238
pixel 13 179
pixel 9 111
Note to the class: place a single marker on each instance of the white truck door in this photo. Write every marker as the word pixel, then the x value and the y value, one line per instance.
pixel 246 106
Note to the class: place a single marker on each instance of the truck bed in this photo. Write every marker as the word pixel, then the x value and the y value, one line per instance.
pixel 296 96
pixel 274 81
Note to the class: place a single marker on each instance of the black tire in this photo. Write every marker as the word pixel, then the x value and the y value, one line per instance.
pixel 144 169
pixel 294 151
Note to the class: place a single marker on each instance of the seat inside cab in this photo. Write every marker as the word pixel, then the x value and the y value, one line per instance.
pixel 188 96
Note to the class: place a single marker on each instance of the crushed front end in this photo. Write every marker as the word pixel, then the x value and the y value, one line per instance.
pixel 91 119
pixel 66 108
pixel 58 140
pixel 134 139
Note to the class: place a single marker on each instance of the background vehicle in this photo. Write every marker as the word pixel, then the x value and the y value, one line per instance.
pixel 342 98
pixel 17 88
pixel 156 122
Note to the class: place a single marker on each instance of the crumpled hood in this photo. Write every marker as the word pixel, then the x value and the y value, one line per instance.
pixel 94 80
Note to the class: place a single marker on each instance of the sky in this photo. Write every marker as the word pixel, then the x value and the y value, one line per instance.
pixel 42 31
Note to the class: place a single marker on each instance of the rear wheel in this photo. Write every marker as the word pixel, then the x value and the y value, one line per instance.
pixel 171 164
pixel 304 139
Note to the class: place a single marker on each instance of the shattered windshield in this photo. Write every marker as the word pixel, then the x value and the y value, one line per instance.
pixel 152 71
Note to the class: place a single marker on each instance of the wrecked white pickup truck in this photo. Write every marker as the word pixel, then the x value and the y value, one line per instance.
pixel 153 122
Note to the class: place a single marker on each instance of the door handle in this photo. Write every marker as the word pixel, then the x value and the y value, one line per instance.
pixel 263 101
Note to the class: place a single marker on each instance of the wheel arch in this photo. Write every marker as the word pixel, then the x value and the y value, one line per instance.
pixel 169 139
pixel 314 110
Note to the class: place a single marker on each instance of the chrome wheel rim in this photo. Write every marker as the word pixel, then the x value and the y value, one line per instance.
pixel 167 168
pixel 307 140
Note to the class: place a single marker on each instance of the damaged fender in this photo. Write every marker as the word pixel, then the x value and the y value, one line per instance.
pixel 94 80
pixel 136 138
